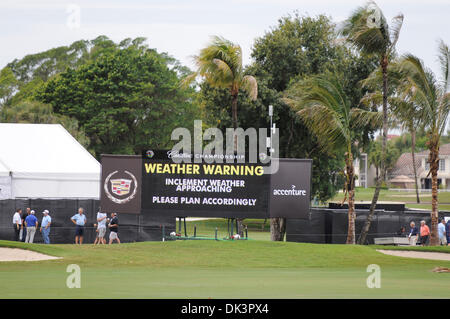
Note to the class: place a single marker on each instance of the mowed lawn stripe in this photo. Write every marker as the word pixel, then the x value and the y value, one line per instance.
pixel 203 269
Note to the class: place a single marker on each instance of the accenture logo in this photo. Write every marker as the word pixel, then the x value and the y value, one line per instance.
pixel 289 192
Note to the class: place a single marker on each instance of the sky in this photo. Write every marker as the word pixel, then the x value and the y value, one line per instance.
pixel 182 28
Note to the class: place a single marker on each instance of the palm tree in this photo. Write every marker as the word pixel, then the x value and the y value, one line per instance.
pixel 321 103
pixel 220 64
pixel 368 30
pixel 433 99
pixel 404 111
pixel 410 117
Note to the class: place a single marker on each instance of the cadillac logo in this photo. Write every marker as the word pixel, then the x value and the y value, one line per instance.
pixel 120 187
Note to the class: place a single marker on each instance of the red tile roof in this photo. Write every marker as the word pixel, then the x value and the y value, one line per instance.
pixel 404 166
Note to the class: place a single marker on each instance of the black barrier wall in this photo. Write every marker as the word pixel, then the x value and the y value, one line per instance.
pixel 132 227
pixel 329 226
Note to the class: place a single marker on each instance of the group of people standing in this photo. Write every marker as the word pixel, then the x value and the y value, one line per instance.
pixel 26 223
pixel 424 233
pixel 79 220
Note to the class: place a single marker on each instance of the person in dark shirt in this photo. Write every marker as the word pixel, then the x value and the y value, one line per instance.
pixel 114 229
pixel 413 234
pixel 447 232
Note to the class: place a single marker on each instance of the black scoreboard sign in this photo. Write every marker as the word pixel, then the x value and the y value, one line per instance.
pixel 157 185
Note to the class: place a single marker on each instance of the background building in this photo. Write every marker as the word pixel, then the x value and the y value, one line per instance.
pixel 402 175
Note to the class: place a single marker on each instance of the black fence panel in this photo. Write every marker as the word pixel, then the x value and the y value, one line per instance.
pixel 313 230
pixel 331 225
pixel 132 227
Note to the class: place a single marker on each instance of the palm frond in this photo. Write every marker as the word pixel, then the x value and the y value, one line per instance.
pixel 250 85
pixel 322 105
pixel 223 70
pixel 220 64
pixel 324 123
pixel 421 88
pixel 367 29
pixel 396 26
pixel 444 60
pixel 366 119
pixel 372 99
pixel 373 81
pixel 184 83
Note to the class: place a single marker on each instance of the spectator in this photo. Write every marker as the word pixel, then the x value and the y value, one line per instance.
pixel 79 220
pixel 45 227
pixel 114 229
pixel 17 224
pixel 424 233
pixel 441 232
pixel 101 228
pixel 413 234
pixel 31 223
pixel 402 232
pixel 24 227
pixel 447 231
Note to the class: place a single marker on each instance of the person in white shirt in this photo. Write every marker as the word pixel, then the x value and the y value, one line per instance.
pixel 101 228
pixel 45 226
pixel 17 224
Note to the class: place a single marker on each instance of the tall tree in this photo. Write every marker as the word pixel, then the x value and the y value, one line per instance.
pixel 8 85
pixel 433 98
pixel 392 154
pixel 296 47
pixel 324 107
pixel 368 30
pixel 125 99
pixel 411 119
pixel 405 114
pixel 220 64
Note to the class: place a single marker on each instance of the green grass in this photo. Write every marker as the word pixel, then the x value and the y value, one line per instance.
pixel 409 198
pixel 257 228
pixel 225 269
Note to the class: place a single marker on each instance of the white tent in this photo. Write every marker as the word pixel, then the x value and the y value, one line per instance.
pixel 45 161
pixel 5 182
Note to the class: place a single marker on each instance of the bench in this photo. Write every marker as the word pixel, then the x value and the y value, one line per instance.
pixel 397 241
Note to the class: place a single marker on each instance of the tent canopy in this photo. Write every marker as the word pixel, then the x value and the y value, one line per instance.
pixel 45 161
pixel 4 171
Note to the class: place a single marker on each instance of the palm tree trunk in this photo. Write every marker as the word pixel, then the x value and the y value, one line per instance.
pixel 291 135
pixel 434 166
pixel 277 228
pixel 413 154
pixel 351 199
pixel 278 224
pixel 234 101
pixel 365 230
